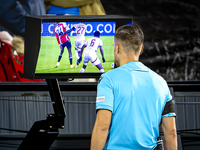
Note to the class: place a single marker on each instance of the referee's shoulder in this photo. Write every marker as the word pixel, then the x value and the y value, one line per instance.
pixel 158 77
pixel 114 72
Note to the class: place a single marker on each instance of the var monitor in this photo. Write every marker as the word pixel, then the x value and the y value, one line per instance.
pixel 70 46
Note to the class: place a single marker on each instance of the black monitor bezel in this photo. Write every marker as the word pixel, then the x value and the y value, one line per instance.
pixel 33 37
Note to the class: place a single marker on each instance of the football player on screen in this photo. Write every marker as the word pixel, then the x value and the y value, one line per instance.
pixel 92 45
pixel 79 39
pixel 63 40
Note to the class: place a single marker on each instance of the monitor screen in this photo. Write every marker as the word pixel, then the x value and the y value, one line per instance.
pixel 61 40
pixel 50 50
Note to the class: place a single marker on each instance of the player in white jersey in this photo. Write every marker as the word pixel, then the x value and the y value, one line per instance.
pixel 79 38
pixel 92 45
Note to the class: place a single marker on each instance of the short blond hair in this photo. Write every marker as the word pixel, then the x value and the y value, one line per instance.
pixel 18 45
pixel 131 37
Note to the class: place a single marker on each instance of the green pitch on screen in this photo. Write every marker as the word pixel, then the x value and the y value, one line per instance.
pixel 50 50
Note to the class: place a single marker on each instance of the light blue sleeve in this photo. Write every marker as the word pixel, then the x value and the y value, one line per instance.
pixel 104 99
pixel 168 94
pixel 169 115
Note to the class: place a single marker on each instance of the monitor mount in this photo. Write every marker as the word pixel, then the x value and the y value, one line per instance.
pixel 43 133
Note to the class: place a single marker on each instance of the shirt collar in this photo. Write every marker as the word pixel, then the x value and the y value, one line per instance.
pixel 137 66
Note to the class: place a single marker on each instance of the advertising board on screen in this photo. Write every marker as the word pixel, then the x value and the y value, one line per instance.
pixel 105 28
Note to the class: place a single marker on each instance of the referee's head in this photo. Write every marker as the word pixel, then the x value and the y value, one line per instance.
pixel 131 37
pixel 128 44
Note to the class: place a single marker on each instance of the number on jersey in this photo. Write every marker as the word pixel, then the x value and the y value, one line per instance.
pixel 92 42
pixel 80 30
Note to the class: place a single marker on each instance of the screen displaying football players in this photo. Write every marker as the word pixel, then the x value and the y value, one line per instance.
pixel 57 37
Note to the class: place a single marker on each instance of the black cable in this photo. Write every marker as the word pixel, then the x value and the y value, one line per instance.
pixel 23 131
pixel 81 102
pixel 85 102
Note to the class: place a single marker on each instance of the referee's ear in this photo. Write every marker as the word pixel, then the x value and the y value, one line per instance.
pixel 120 48
pixel 116 48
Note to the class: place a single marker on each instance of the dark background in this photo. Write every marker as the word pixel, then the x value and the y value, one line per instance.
pixel 172 34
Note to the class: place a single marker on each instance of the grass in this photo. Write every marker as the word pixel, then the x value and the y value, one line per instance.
pixel 50 50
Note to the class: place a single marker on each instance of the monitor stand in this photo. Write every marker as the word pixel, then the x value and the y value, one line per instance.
pixel 43 133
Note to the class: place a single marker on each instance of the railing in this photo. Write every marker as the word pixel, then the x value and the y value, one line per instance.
pixel 21 104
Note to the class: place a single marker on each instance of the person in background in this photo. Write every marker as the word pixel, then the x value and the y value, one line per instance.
pixel 74 7
pixel 132 100
pixel 12 34
pixel 13 13
pixel 12 58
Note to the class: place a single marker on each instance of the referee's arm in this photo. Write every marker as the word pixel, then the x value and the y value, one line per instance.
pixel 170 135
pixel 169 126
pixel 100 130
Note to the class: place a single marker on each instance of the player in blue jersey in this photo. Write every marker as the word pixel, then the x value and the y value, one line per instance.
pixel 132 101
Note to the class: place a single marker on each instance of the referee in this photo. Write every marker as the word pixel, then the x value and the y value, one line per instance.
pixel 132 101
